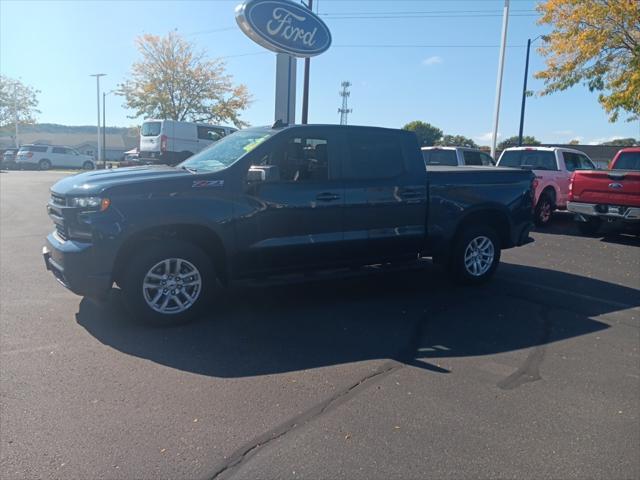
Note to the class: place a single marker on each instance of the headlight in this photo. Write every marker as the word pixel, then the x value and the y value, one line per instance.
pixel 97 203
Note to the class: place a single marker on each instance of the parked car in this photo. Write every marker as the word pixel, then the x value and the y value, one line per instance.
pixel 170 142
pixel 607 195
pixel 272 200
pixel 456 156
pixel 45 157
pixel 9 158
pixel 553 167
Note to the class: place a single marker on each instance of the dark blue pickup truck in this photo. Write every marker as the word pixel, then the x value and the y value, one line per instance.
pixel 274 200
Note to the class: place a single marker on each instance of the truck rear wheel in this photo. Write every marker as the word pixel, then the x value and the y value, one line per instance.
pixel 475 255
pixel 544 210
pixel 169 283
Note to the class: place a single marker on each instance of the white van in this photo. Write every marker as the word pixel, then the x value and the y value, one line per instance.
pixel 170 141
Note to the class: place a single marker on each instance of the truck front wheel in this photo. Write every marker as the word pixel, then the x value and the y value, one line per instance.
pixel 475 255
pixel 169 283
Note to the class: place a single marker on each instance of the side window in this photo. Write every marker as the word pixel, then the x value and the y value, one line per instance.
pixel 585 163
pixel 210 133
pixel 374 155
pixel 571 161
pixel 487 161
pixel 471 158
pixel 301 160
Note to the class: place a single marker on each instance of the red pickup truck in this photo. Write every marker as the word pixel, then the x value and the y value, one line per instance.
pixel 607 195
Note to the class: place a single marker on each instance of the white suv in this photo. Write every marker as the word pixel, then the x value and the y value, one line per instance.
pixel 45 157
pixel 456 156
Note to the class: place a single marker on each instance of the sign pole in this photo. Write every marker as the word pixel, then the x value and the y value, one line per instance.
pixel 285 110
pixel 305 85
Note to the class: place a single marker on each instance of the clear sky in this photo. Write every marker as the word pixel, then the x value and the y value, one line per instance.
pixel 407 65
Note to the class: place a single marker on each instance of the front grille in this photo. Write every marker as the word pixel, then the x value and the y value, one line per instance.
pixel 58 199
pixel 62 232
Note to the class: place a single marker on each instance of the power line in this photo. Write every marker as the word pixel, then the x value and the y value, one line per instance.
pixel 373 17
pixel 423 12
pixel 421 46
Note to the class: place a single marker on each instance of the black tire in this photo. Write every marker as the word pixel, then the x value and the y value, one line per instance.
pixel 544 210
pixel 142 263
pixel 44 164
pixel 88 165
pixel 591 226
pixel 458 261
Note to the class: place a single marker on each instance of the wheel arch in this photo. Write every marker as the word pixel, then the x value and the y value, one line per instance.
pixel 203 237
pixel 494 217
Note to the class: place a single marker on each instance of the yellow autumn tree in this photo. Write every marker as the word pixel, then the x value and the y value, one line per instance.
pixel 173 81
pixel 596 43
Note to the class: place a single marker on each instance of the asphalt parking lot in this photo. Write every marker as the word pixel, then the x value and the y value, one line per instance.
pixel 395 375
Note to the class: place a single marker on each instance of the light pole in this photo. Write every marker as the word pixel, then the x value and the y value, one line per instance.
pixel 503 44
pixel 524 89
pixel 98 75
pixel 104 128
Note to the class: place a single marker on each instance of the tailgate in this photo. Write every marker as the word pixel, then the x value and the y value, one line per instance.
pixel 614 187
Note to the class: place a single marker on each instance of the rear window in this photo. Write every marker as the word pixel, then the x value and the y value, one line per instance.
pixel 150 129
pixel 33 148
pixel 440 157
pixel 533 159
pixel 628 161
pixel 375 155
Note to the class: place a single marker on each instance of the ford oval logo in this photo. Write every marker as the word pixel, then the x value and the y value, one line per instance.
pixel 615 185
pixel 283 26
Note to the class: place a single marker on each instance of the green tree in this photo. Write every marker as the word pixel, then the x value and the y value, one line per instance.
pixel 621 142
pixel 427 134
pixel 456 141
pixel 173 81
pixel 513 142
pixel 597 43
pixel 17 100
pixel 575 141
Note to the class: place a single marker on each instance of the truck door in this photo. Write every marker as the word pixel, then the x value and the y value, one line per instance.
pixel 385 196
pixel 300 221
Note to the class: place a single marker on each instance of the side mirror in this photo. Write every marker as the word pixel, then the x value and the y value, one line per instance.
pixel 256 175
pixel 259 173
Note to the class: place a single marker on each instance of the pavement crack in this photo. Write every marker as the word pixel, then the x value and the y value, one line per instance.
pixel 242 454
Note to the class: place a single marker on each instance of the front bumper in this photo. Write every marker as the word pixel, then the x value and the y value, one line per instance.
pixel 75 265
pixel 612 212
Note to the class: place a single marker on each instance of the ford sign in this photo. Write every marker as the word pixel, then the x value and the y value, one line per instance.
pixel 284 27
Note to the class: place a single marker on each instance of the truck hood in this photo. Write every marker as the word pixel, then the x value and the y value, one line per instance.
pixel 96 181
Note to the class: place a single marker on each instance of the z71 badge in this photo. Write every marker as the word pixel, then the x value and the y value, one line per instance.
pixel 207 183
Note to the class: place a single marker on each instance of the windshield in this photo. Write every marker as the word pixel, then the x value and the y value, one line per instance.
pixel 440 157
pixel 227 151
pixel 628 161
pixel 150 129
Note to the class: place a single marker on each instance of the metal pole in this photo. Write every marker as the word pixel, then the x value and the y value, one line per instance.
pixel 305 88
pixel 104 131
pixel 524 93
pixel 98 75
pixel 15 111
pixel 503 44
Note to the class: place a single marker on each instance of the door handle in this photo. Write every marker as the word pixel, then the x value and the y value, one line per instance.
pixel 327 197
pixel 411 192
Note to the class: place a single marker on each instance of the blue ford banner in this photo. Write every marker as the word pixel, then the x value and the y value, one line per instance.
pixel 283 26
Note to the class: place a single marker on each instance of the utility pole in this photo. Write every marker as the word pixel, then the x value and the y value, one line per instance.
pixel 98 75
pixel 503 44
pixel 524 89
pixel 305 88
pixel 345 111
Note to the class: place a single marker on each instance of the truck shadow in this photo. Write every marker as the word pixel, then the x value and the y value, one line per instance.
pixel 563 223
pixel 415 317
